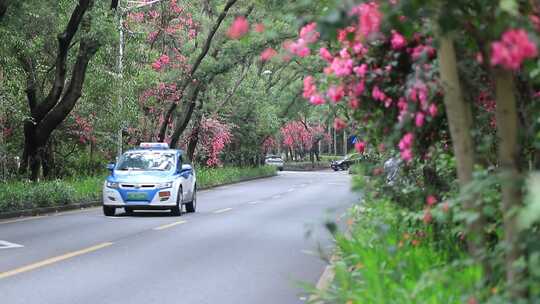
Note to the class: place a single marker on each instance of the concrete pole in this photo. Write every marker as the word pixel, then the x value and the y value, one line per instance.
pixel 329 151
pixel 335 142
pixel 120 78
pixel 345 142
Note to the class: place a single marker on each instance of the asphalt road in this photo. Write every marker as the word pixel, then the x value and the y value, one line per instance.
pixel 253 242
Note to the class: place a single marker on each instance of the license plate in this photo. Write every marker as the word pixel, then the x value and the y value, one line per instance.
pixel 136 196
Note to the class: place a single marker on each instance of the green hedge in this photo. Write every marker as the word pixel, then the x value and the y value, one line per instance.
pixel 208 177
pixel 15 196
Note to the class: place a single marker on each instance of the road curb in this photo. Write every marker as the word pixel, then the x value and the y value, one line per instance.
pixel 328 275
pixel 85 205
pixel 324 281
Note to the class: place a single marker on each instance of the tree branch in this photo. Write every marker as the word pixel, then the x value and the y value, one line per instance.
pixel 64 41
pixel 74 91
pixel 31 81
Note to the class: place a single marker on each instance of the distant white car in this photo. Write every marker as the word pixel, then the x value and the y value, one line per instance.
pixel 274 160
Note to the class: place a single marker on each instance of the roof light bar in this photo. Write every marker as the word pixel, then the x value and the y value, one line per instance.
pixel 148 145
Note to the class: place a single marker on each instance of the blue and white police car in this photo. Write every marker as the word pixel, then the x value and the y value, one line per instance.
pixel 151 177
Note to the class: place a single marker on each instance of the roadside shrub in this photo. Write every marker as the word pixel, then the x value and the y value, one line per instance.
pixel 26 195
pixel 384 261
pixel 15 196
pixel 207 177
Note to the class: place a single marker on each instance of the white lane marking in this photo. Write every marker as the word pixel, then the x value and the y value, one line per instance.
pixel 170 225
pixel 8 245
pixel 222 210
pixel 291 190
pixel 253 203
pixel 276 196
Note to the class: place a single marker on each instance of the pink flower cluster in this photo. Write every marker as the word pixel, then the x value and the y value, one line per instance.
pixel 309 87
pixel 369 18
pixel 514 48
pixel 310 91
pixel 421 50
pixel 269 144
pixel 339 124
pixel 308 35
pixel 163 60
pixel 398 41
pixel 336 93
pixel 239 28
pixel 296 136
pixel 268 54
pixel 360 146
pixel 405 146
pixel 214 137
pixel 342 65
pixel 379 95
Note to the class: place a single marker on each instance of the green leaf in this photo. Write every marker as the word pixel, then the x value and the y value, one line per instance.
pixel 509 6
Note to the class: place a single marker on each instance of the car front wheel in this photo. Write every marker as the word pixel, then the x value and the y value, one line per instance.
pixel 177 210
pixel 192 206
pixel 109 211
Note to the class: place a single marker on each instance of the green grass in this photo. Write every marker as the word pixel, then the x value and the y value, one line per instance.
pixel 19 195
pixel 383 261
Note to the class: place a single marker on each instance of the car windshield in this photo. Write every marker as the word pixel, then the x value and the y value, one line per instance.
pixel 146 161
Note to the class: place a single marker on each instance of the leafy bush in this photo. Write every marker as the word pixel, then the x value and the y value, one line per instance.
pixel 207 177
pixel 25 195
pixel 384 261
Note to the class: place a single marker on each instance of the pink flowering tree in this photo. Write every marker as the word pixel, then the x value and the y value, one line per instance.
pixel 300 139
pixel 213 137
pixel 393 75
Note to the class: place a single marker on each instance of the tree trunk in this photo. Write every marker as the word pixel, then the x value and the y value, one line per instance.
pixel 511 183
pixel 183 121
pixel 460 122
pixel 194 140
pixel 47 115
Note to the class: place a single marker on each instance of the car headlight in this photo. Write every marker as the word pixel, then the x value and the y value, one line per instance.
pixel 112 185
pixel 165 185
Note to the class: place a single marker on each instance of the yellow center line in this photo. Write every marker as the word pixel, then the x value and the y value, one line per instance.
pixel 53 260
pixel 22 219
pixel 222 210
pixel 170 225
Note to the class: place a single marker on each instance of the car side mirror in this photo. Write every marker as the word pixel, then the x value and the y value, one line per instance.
pixel 185 168
pixel 111 166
